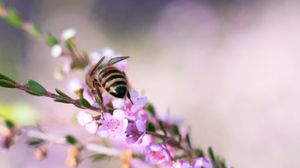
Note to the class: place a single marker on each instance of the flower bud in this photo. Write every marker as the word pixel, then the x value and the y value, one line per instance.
pixel 68 34
pixel 56 51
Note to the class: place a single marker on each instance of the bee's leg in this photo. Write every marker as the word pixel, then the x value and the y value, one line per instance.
pixel 98 94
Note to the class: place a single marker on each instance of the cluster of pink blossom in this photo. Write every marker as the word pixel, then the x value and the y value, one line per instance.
pixel 127 123
pixel 130 123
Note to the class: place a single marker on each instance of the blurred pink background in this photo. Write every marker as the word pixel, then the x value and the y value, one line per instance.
pixel 229 68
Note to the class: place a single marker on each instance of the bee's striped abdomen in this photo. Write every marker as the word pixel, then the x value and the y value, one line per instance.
pixel 113 81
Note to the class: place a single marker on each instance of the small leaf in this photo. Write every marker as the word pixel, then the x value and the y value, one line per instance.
pixel 98 157
pixel 162 127
pixel 14 18
pixel 188 140
pixel 150 127
pixel 151 109
pixel 36 88
pixel 61 93
pixel 211 154
pixel 9 124
pixel 69 45
pixel 36 30
pixel 76 64
pixel 84 102
pixel 199 152
pixel 34 94
pixel 62 101
pixel 71 139
pixel 223 164
pixel 7 84
pixel 51 40
pixel 35 141
pixel 6 78
pixel 175 130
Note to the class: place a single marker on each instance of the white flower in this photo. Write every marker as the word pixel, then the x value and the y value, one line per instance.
pixel 95 56
pixel 75 85
pixel 91 127
pixel 68 34
pixel 108 52
pixel 56 51
pixel 84 118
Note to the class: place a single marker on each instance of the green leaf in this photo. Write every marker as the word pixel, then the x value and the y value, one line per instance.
pixel 1 4
pixel 71 139
pixel 9 124
pixel 6 78
pixel 13 17
pixel 162 127
pixel 84 103
pixel 188 140
pixel 7 84
pixel 61 93
pixel 69 45
pixel 199 152
pixel 223 164
pixel 36 88
pixel 151 109
pixel 35 141
pixel 98 157
pixel 150 127
pixel 36 31
pixel 211 154
pixel 175 130
pixel 62 101
pixel 51 40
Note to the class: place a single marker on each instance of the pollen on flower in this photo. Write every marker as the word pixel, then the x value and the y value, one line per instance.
pixel 68 34
pixel 56 51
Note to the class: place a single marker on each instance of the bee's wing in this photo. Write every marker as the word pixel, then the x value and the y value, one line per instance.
pixel 116 60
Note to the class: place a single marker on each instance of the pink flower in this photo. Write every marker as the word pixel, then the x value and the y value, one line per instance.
pixel 113 125
pixel 156 154
pixel 181 164
pixel 202 162
pixel 131 109
pixel 133 134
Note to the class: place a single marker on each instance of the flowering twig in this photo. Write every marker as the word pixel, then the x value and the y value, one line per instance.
pixel 59 98
pixel 132 119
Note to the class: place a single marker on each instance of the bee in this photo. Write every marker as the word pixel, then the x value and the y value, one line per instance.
pixel 108 78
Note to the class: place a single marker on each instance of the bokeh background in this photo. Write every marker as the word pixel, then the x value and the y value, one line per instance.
pixel 229 68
